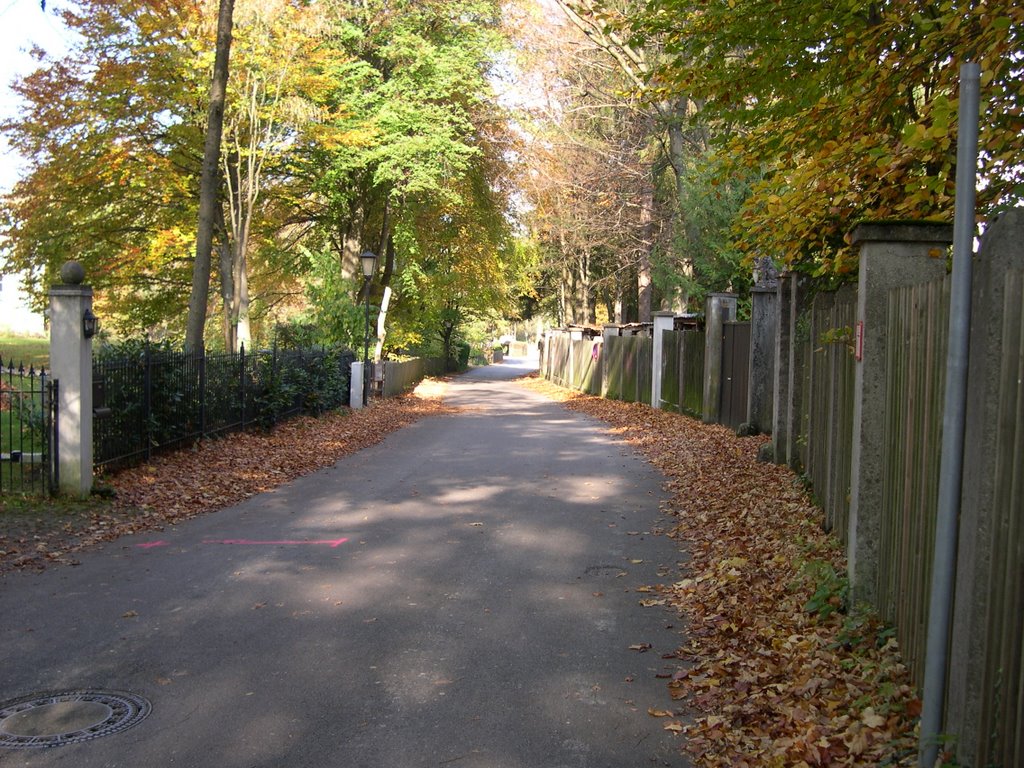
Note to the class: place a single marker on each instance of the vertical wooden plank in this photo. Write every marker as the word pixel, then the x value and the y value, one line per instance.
pixel 1003 708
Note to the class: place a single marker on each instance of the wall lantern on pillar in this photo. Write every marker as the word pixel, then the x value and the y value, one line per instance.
pixel 90 324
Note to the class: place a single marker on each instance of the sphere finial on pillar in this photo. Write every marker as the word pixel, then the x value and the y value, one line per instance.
pixel 72 273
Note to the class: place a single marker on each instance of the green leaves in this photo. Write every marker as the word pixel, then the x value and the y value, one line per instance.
pixel 342 120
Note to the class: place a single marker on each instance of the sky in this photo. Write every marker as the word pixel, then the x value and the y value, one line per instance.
pixel 22 24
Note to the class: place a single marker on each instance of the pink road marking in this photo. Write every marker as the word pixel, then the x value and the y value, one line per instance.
pixel 251 543
pixel 332 543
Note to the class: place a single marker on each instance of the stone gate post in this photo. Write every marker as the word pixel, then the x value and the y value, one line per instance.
pixel 71 366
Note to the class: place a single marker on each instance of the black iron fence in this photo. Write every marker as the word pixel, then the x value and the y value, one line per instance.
pixel 149 398
pixel 28 438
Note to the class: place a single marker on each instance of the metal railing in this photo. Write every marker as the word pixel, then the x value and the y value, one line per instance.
pixel 28 437
pixel 158 399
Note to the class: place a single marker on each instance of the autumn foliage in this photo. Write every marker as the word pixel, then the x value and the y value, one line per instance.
pixel 776 669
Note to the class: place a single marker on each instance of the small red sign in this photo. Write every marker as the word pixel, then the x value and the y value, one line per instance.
pixel 860 340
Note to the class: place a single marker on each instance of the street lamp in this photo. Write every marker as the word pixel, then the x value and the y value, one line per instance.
pixel 369 263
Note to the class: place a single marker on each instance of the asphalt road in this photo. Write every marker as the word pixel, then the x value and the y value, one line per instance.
pixel 463 594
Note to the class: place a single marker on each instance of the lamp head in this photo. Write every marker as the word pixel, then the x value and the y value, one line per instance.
pixel 90 324
pixel 369 262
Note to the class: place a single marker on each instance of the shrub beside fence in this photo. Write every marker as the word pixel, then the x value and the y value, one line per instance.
pixel 148 399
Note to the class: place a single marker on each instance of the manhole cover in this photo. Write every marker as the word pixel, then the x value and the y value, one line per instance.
pixel 67 717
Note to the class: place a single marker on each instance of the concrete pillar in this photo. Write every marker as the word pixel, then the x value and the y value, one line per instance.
pixel 764 324
pixel 71 367
pixel 355 398
pixel 783 358
pixel 719 308
pixel 798 368
pixel 663 321
pixel 891 256
pixel 991 406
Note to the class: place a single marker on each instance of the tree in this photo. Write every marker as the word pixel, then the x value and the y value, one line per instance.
pixel 639 154
pixel 585 173
pixel 209 182
pixel 847 110
pixel 109 135
pixel 411 121
pixel 343 124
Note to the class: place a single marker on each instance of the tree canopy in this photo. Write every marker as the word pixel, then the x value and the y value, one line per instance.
pixel 847 110
pixel 348 127
pixel 640 153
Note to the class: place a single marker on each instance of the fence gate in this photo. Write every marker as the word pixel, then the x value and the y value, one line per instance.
pixel 735 374
pixel 28 431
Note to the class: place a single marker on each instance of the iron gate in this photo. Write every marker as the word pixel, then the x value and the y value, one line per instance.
pixel 28 431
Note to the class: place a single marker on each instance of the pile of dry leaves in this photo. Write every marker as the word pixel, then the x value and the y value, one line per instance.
pixel 774 669
pixel 212 475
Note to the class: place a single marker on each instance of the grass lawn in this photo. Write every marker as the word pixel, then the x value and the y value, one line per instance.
pixel 27 350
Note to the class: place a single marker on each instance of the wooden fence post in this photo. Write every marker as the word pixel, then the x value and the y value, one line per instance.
pixel 891 256
pixel 608 331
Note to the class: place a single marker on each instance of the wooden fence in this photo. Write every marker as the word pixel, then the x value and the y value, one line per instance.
pixel 627 368
pixel 816 399
pixel 916 369
pixel 682 378
pixel 401 376
pixel 1001 721
pixel 828 407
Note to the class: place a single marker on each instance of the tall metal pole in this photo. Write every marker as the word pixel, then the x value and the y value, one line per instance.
pixel 951 468
pixel 366 344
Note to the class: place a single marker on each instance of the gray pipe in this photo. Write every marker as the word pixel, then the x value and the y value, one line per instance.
pixel 947 519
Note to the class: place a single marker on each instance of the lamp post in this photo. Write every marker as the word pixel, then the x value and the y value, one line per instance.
pixel 369 263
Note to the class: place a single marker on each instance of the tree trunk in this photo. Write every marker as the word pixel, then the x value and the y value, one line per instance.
pixel 208 183
pixel 385 303
pixel 644 284
pixel 227 290
pixel 352 243
pixel 585 300
pixel 240 299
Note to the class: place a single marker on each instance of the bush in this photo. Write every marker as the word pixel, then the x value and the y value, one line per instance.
pixel 159 397
pixel 462 350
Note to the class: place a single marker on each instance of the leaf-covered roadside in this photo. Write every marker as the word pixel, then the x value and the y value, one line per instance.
pixel 775 669
pixel 214 474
